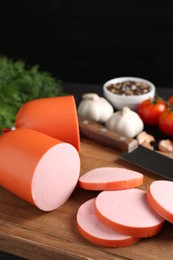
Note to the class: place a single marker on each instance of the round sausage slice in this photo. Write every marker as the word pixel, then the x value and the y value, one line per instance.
pixel 128 212
pixel 36 167
pixel 110 178
pixel 97 232
pixel 54 116
pixel 160 197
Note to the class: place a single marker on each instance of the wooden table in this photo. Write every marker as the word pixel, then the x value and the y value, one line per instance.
pixel 27 232
pixel 30 233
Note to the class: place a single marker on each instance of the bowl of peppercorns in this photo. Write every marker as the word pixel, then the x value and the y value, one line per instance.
pixel 128 91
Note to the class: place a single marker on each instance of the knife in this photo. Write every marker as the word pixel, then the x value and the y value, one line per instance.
pixel 132 152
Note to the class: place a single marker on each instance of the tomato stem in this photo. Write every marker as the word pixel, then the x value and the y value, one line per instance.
pixel 155 100
pixel 170 107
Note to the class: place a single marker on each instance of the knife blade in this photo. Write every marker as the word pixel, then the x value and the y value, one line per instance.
pixel 135 154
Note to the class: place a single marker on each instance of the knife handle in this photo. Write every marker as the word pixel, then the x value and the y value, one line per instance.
pixel 99 133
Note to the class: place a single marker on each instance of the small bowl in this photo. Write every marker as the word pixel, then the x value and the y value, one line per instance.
pixel 132 101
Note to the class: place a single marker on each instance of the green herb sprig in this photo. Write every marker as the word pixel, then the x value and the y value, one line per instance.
pixel 19 84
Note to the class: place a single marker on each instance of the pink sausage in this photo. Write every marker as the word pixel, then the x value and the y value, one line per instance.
pixel 97 232
pixel 129 212
pixel 160 197
pixel 36 167
pixel 110 178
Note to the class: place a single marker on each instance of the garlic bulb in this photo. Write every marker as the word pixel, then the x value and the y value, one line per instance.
pixel 125 122
pixel 96 108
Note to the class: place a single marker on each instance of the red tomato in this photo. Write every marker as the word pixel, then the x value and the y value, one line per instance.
pixel 166 122
pixel 170 100
pixel 150 110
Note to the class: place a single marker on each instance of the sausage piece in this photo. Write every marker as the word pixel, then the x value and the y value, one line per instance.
pixel 97 232
pixel 36 167
pixel 110 178
pixel 128 212
pixel 54 116
pixel 160 198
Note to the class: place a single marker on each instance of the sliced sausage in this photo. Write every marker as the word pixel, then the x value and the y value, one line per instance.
pixel 97 232
pixel 55 116
pixel 160 197
pixel 110 178
pixel 128 212
pixel 36 167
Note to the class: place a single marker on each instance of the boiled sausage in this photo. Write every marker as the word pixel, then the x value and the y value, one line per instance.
pixel 128 212
pixel 36 167
pixel 97 232
pixel 110 178
pixel 160 197
pixel 54 116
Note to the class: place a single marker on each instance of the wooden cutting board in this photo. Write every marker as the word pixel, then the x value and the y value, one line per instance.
pixel 28 232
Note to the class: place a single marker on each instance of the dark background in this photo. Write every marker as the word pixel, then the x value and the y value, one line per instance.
pixel 90 41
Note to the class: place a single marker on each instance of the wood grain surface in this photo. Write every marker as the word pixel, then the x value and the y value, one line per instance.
pixel 30 233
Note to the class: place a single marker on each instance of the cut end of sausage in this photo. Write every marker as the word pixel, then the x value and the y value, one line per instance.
pixel 55 177
pixel 128 212
pixel 95 231
pixel 110 178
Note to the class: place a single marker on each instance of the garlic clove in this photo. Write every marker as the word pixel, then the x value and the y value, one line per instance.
pixel 165 146
pixel 145 137
pixel 147 145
